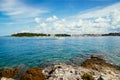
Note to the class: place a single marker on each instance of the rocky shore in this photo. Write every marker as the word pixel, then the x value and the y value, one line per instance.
pixel 94 68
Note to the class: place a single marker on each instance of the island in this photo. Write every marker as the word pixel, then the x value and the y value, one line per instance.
pixel 25 34
pixel 59 35
pixel 37 34
pixel 29 34
pixel 111 34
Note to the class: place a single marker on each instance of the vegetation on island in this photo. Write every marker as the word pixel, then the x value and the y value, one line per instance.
pixel 37 34
pixel 111 34
pixel 60 35
pixel 29 34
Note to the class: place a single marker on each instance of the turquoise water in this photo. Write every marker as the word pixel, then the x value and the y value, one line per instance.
pixel 36 51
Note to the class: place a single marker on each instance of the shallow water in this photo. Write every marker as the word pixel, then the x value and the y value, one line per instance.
pixel 36 51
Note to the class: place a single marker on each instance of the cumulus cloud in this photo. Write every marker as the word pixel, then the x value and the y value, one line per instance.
pixel 102 20
pixel 53 18
pixel 43 25
pixel 37 20
pixel 98 20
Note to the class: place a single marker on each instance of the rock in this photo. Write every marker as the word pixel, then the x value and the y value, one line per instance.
pixel 100 78
pixel 9 72
pixel 22 69
pixel 98 64
pixel 94 68
pixel 64 72
pixel 33 74
pixel 76 61
pixel 4 78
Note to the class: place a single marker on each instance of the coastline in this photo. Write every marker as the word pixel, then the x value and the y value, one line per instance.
pixel 25 34
pixel 94 68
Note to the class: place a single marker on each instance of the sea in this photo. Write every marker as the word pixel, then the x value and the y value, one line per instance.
pixel 44 51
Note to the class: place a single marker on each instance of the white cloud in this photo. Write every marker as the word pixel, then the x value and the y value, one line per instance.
pixel 63 20
pixel 53 18
pixel 16 9
pixel 98 20
pixel 43 25
pixel 37 20
pixel 102 20
pixel 106 11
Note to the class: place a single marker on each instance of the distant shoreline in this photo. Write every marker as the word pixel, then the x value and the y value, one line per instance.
pixel 60 35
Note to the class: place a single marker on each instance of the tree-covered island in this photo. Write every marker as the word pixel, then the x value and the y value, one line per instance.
pixel 60 35
pixel 37 34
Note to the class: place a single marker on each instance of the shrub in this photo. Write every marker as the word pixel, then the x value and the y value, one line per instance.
pixel 87 76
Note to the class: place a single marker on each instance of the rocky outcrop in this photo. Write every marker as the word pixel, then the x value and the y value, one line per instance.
pixel 22 73
pixel 94 68
pixel 68 72
pixel 34 74
pixel 9 72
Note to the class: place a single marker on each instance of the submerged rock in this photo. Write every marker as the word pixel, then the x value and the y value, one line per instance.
pixel 22 69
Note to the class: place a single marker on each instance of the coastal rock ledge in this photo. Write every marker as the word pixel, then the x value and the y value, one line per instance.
pixel 94 68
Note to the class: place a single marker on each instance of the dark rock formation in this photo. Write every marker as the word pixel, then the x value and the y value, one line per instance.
pixel 20 74
pixel 9 72
pixel 33 74
pixel 97 63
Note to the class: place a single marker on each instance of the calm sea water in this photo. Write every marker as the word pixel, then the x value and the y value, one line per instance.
pixel 36 51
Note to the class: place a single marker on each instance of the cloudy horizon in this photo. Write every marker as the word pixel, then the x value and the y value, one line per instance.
pixel 59 16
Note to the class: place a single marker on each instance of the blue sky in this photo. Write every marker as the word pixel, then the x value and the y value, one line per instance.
pixel 59 16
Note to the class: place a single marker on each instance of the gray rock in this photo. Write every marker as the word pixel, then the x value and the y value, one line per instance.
pixel 4 78
pixel 100 78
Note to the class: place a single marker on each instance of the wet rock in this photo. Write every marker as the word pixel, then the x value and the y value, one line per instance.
pixel 76 61
pixel 9 72
pixel 108 70
pixel 22 69
pixel 97 63
pixel 33 74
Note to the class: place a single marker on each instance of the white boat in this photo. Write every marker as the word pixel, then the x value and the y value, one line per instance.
pixel 60 37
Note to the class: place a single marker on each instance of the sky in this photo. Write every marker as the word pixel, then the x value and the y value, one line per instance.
pixel 59 16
